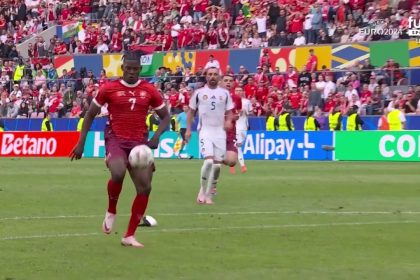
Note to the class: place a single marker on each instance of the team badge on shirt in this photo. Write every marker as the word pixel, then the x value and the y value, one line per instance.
pixel 205 97
pixel 143 94
pixel 121 93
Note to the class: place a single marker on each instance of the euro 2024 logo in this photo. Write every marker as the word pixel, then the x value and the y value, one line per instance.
pixel 381 27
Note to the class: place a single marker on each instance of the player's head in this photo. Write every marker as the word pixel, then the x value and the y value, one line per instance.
pixel 212 77
pixel 185 108
pixel 228 81
pixel 131 67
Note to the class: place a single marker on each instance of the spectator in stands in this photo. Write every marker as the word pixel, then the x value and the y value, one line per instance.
pixel 23 111
pixel 202 24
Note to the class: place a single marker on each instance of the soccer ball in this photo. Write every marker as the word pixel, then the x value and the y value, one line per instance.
pixel 141 157
pixel 149 221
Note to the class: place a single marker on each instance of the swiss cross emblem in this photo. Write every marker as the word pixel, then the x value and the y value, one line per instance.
pixel 143 94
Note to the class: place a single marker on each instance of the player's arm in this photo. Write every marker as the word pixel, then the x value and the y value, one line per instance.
pixel 165 119
pixel 93 110
pixel 231 116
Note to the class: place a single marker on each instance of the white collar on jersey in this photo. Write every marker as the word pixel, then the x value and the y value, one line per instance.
pixel 124 83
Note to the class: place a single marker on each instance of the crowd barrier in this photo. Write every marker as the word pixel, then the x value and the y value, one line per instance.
pixel 337 57
pixel 258 145
pixel 255 123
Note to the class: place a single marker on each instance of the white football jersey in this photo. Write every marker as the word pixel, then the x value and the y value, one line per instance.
pixel 242 122
pixel 212 105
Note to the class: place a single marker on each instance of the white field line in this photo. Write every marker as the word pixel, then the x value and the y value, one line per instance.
pixel 222 214
pixel 176 230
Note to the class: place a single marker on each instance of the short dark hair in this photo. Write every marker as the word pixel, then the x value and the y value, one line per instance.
pixel 132 56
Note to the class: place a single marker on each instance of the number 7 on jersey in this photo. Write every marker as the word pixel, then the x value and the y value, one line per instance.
pixel 133 102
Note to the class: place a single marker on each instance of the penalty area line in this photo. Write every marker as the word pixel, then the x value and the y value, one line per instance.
pixel 198 229
pixel 17 218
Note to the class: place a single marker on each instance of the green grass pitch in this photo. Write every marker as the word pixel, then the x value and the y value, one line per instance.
pixel 281 220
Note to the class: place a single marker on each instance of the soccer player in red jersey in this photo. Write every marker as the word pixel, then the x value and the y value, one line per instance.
pixel 128 102
pixel 231 149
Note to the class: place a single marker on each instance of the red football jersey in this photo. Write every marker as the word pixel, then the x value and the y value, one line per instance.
pixel 295 100
pixel 128 106
pixel 237 103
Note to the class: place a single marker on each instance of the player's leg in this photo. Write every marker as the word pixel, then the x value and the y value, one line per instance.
pixel 231 155
pixel 219 156
pixel 241 139
pixel 142 179
pixel 229 160
pixel 116 162
pixel 206 148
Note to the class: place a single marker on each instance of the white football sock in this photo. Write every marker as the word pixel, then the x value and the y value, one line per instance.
pixel 241 157
pixel 205 173
pixel 214 177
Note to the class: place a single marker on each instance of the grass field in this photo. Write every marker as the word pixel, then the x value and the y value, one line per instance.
pixel 281 220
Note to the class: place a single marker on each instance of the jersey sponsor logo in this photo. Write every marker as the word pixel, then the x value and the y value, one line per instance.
pixel 132 93
pixel 213 97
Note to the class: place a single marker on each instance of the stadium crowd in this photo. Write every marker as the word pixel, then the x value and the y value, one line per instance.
pixel 30 89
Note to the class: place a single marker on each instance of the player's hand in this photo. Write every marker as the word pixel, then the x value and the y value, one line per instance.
pixel 153 143
pixel 77 151
pixel 187 136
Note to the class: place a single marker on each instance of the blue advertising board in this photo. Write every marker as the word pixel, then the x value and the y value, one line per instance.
pixel 296 145
pixel 95 145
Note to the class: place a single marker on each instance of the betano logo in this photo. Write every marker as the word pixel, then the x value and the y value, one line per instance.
pixel 11 145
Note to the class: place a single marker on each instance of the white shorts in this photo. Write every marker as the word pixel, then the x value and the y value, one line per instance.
pixel 213 147
pixel 240 136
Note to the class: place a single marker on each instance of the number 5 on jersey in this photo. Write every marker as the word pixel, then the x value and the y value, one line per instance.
pixel 213 105
pixel 133 102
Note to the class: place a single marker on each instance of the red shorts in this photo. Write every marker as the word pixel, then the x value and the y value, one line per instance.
pixel 117 148
pixel 231 144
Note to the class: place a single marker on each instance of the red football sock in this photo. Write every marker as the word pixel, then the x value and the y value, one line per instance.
pixel 114 190
pixel 137 212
